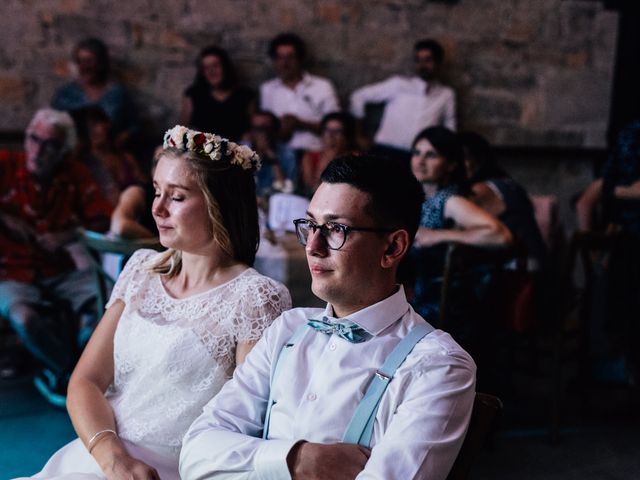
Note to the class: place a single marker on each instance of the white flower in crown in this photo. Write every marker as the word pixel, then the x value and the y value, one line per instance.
pixel 216 154
pixel 176 136
pixel 210 145
pixel 191 144
pixel 240 155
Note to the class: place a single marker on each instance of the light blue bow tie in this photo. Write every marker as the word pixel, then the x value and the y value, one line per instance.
pixel 346 329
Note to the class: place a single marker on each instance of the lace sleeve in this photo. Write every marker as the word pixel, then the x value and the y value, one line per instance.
pixel 263 301
pixel 124 287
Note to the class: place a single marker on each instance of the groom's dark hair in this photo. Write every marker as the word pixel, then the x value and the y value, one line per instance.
pixel 395 194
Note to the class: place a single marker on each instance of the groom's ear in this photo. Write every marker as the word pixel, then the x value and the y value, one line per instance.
pixel 397 246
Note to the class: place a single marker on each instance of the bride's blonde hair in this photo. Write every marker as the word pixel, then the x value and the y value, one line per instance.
pixel 229 192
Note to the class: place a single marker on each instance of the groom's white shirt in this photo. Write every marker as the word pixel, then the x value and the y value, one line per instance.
pixel 419 427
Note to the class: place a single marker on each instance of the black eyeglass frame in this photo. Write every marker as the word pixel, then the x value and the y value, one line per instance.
pixel 52 144
pixel 324 231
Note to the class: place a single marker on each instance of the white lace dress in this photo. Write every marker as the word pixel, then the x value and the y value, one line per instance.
pixel 171 356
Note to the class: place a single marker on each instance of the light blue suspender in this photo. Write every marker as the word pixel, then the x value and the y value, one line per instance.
pixel 360 428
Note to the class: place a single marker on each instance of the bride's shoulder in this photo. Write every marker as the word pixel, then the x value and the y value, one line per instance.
pixel 258 284
pixel 143 259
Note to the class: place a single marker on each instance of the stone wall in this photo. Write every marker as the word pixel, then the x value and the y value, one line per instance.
pixel 528 72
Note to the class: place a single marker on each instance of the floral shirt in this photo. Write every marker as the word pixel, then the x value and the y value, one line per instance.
pixel 71 200
pixel 433 209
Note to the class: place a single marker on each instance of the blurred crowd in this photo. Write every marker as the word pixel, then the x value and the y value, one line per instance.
pixel 81 167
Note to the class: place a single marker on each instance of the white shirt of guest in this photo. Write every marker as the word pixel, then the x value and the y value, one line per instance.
pixel 310 100
pixel 419 426
pixel 411 104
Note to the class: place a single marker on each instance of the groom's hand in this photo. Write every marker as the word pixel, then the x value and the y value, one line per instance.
pixel 338 461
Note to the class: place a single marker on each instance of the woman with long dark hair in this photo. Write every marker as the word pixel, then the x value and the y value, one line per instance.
pixel 214 102
pixel 437 161
pixel 447 216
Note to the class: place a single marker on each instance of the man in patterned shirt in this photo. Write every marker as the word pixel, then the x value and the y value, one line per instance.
pixel 45 197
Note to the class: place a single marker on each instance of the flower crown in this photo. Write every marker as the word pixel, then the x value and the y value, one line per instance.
pixel 213 146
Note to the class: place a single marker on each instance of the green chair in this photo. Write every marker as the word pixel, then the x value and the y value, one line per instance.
pixel 98 244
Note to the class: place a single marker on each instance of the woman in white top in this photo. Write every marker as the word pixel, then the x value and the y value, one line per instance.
pixel 177 323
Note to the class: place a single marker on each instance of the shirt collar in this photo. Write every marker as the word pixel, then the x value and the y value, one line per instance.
pixel 375 318
pixel 306 80
pixel 427 87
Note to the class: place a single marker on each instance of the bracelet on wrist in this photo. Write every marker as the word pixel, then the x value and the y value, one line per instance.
pixel 93 441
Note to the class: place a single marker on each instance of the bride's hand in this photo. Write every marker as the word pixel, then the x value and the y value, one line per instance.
pixel 117 464
pixel 128 468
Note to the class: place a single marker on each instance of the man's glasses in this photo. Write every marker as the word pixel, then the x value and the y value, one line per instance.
pixel 48 144
pixel 334 234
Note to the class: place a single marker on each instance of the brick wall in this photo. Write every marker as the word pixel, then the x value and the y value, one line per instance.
pixel 528 72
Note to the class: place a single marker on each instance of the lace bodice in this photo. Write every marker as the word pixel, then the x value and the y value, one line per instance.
pixel 173 355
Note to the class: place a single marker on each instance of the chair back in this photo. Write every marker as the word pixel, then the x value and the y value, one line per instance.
pixel 584 269
pixel 467 261
pixel 99 247
pixel 545 210
pixel 486 409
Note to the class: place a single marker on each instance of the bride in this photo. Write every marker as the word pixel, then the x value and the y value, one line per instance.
pixel 177 323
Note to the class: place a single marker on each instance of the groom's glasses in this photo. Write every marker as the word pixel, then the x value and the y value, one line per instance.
pixel 334 233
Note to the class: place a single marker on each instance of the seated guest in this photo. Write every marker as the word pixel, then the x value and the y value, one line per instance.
pixel 113 169
pixel 263 138
pixel 298 98
pixel 619 187
pixel 46 196
pixel 214 102
pixel 411 104
pixel 437 162
pixel 293 409
pixel 95 87
pixel 447 216
pixel 618 194
pixel 338 138
pixel 494 191
pixel 178 322
pixel 132 216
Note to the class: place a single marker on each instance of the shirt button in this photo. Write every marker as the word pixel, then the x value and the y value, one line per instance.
pixel 332 347
pixel 311 397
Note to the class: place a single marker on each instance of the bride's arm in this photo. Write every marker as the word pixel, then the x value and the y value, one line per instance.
pixel 242 350
pixel 90 411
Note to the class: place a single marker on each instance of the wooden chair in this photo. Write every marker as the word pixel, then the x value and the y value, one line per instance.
pixel 486 409
pixel 461 260
pixel 98 245
pixel 575 290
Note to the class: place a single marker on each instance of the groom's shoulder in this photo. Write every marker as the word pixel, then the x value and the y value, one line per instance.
pixel 297 316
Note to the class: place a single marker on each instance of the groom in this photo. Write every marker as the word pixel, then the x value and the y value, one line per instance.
pixel 363 386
